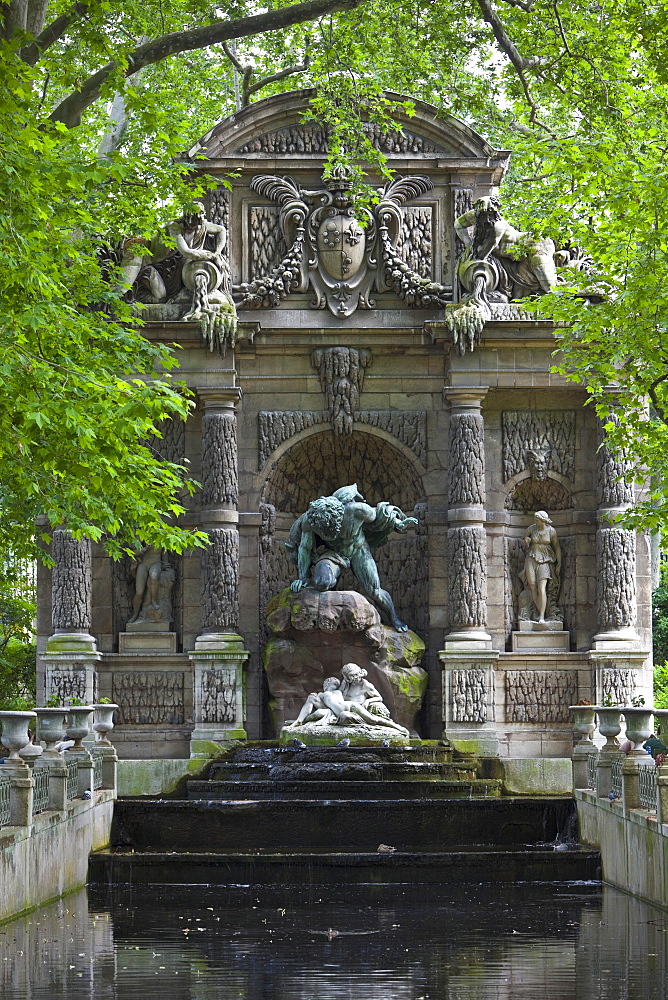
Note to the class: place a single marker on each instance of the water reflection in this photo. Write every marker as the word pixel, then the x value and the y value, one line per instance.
pixel 524 942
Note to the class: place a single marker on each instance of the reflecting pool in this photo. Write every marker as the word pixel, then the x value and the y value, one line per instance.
pixel 557 941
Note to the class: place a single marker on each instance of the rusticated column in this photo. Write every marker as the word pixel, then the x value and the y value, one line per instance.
pixel 72 583
pixel 615 548
pixel 219 517
pixel 219 656
pixel 616 656
pixel 71 651
pixel 468 658
pixel 467 541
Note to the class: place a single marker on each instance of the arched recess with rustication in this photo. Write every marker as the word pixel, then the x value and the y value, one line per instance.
pixel 316 466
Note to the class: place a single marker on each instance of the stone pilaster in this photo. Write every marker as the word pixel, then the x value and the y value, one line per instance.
pixel 468 658
pixel 219 656
pixel 71 651
pixel 616 648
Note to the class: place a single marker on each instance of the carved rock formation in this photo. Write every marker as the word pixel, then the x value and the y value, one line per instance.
pixel 277 426
pixel 619 685
pixel 315 634
pixel 65 683
pixel 309 138
pixel 530 495
pixel 612 488
pixel 415 239
pixel 469 695
pixel 616 573
pixel 319 464
pixel 310 610
pixel 549 431
pixel 217 695
pixel 267 245
pixel 148 697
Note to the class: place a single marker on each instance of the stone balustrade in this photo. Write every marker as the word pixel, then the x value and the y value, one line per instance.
pixel 53 814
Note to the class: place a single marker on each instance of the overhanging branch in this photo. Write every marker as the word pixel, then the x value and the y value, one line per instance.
pixel 70 110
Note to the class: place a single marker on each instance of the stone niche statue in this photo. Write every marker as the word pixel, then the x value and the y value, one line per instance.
pixel 154 580
pixel 352 703
pixel 337 533
pixel 541 576
pixel 191 283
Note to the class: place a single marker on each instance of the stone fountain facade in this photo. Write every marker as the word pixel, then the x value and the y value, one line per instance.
pixel 350 362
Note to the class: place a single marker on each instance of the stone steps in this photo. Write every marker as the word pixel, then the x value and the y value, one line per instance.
pixel 474 865
pixel 336 824
pixel 339 770
pixel 343 787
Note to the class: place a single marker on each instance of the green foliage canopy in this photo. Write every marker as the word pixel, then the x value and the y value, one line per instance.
pixel 578 92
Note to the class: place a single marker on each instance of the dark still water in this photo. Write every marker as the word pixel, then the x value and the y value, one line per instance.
pixel 559 941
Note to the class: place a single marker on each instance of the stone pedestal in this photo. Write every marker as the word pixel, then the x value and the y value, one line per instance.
pixel 534 641
pixel 145 640
pixel 70 667
pixel 616 670
pixel 57 779
pixel 468 699
pixel 219 692
pixel 581 753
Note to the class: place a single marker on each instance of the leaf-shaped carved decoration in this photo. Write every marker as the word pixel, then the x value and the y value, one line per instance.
pixel 278 189
pixel 404 189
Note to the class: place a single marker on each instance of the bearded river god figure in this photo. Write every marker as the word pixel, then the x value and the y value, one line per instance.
pixel 338 532
pixel 500 264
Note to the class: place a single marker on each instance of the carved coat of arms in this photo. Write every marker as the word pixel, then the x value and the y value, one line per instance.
pixel 339 251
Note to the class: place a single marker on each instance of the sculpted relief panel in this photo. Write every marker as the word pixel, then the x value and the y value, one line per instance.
pixel 538 441
pixel 540 695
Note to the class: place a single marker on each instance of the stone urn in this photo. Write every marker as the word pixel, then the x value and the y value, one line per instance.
pixel 638 726
pixel 584 722
pixel 15 733
pixel 661 717
pixel 103 722
pixel 51 728
pixel 77 726
pixel 609 725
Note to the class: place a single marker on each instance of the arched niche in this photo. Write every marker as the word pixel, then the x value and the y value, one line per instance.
pixel 319 464
pixel 322 462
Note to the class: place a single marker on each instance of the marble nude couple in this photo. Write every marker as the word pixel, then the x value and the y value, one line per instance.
pixel 350 702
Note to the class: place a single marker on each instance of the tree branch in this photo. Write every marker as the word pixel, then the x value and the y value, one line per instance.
pixel 525 5
pixel 651 392
pixel 508 46
pixel 70 110
pixel 281 75
pixel 32 52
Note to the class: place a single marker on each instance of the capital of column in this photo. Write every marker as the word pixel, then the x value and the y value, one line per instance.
pixel 463 399
pixel 217 398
